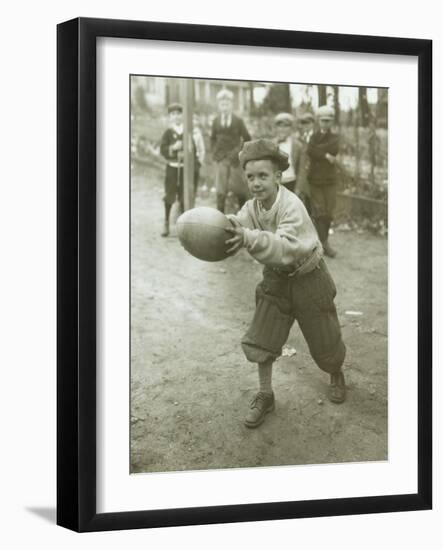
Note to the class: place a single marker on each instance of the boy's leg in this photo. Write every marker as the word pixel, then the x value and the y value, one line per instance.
pixel 264 340
pixel 170 195
pixel 323 201
pixel 238 185
pixel 165 231
pixel 264 401
pixel 313 298
pixel 221 183
pixel 181 189
pixel 330 193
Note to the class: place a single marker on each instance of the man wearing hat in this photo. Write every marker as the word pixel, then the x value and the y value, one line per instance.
pixel 227 137
pixel 277 231
pixel 290 145
pixel 322 150
pixel 305 124
pixel 171 148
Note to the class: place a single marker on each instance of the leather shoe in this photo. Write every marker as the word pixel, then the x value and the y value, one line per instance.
pixel 337 388
pixel 328 250
pixel 261 405
pixel 165 231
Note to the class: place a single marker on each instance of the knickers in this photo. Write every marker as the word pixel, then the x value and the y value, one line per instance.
pixel 309 299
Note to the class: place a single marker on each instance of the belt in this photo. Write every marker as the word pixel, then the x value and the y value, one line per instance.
pixel 175 164
pixel 308 265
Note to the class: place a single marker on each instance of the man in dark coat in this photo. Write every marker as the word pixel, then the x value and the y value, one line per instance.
pixel 322 150
pixel 306 130
pixel 227 137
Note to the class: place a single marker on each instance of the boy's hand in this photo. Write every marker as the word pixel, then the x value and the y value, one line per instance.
pixel 330 158
pixel 177 145
pixel 236 241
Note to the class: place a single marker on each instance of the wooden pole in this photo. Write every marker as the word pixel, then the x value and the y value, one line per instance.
pixel 357 144
pixel 187 89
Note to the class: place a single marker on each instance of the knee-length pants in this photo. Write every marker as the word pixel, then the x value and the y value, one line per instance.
pixel 309 299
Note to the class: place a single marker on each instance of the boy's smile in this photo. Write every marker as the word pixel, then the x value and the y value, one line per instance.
pixel 263 179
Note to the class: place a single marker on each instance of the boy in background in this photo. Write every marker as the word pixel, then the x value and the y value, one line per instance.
pixel 290 145
pixel 171 148
pixel 323 181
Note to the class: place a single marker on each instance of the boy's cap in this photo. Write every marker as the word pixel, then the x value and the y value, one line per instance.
pixel 325 112
pixel 175 107
pixel 306 117
pixel 261 149
pixel 225 94
pixel 284 119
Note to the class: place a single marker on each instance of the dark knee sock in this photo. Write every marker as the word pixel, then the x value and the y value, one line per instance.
pixel 322 228
pixel 167 211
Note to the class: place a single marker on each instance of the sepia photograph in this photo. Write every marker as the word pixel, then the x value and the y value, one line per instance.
pixel 258 274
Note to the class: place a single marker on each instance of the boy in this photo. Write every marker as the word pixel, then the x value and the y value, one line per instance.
pixel 227 137
pixel 276 230
pixel 289 144
pixel 322 150
pixel 171 147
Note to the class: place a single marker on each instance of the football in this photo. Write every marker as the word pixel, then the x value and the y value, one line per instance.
pixel 202 232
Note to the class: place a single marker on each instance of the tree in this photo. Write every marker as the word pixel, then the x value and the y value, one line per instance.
pixel 277 99
pixel 336 105
pixel 322 95
pixel 363 105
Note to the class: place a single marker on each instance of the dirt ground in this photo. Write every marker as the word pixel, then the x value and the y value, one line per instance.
pixel 191 385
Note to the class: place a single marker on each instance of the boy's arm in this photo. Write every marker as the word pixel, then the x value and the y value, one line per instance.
pixel 319 150
pixel 243 217
pixel 294 240
pixel 166 145
pixel 235 235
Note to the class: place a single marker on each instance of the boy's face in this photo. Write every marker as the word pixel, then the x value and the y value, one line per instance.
pixel 306 126
pixel 175 117
pixel 325 124
pixel 225 106
pixel 263 178
pixel 283 131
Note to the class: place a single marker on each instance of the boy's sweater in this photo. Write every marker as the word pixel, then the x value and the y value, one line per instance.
pixel 282 237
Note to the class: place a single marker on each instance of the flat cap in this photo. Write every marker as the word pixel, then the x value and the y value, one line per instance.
pixel 284 118
pixel 175 107
pixel 325 112
pixel 262 149
pixel 225 94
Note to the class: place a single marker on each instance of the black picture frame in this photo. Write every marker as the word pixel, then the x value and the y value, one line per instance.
pixel 76 273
